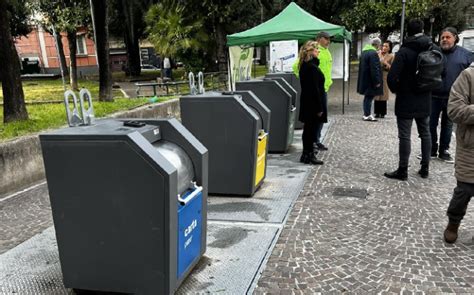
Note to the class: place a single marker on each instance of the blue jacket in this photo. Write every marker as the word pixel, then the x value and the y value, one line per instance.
pixel 457 59
pixel 370 73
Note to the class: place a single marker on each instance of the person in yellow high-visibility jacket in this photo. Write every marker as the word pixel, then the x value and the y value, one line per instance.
pixel 325 58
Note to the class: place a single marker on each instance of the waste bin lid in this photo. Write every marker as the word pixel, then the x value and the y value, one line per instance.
pixel 180 160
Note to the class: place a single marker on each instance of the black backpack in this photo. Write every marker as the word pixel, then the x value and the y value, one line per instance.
pixel 429 68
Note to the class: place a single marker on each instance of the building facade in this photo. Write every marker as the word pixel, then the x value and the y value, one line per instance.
pixel 39 46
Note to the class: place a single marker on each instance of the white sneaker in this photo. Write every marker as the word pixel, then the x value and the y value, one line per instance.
pixel 369 118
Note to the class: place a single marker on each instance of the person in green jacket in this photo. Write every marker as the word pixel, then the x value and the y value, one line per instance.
pixel 296 66
pixel 325 58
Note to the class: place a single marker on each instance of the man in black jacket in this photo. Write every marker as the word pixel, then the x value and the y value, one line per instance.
pixel 456 60
pixel 410 104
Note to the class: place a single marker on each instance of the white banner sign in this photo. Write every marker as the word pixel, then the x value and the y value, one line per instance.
pixel 283 55
pixel 339 64
pixel 240 64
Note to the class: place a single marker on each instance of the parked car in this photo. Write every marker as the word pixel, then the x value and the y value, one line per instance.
pixel 466 39
pixel 146 68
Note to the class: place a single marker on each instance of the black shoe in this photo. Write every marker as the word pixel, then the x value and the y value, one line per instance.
pixel 377 116
pixel 445 156
pixel 315 149
pixel 382 116
pixel 305 158
pixel 321 147
pixel 424 171
pixel 400 174
pixel 315 161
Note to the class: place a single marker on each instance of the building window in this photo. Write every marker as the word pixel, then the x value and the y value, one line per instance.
pixel 81 45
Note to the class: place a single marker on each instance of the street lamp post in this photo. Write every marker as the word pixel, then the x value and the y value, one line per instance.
pixel 403 21
pixel 432 19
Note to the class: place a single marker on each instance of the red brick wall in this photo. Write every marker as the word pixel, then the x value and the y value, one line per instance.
pixel 30 46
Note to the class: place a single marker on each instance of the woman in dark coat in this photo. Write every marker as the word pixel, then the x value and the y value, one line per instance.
pixel 311 106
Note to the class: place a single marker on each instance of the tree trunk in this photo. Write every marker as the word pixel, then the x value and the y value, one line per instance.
pixel 100 20
pixel 61 55
pixel 71 38
pixel 221 48
pixel 354 45
pixel 133 54
pixel 131 39
pixel 13 97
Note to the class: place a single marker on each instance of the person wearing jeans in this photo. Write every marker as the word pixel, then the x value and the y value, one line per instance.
pixel 456 60
pixel 367 104
pixel 369 81
pixel 410 103
pixel 404 135
pixel 439 107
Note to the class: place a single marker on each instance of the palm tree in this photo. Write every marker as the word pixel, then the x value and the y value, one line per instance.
pixel 171 32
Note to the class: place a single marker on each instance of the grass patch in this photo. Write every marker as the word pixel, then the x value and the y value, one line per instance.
pixel 50 116
pixel 52 90
pixel 53 115
pixel 259 71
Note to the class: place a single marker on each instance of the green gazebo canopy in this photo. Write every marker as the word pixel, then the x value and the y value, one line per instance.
pixel 293 23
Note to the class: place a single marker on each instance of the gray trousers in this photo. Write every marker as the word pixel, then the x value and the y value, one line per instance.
pixel 458 205
pixel 404 135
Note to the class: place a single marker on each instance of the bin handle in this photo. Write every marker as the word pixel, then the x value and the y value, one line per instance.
pixel 197 190
pixel 192 84
pixel 87 114
pixel 200 83
pixel 73 117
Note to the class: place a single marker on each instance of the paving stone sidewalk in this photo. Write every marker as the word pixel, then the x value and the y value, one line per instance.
pixel 390 241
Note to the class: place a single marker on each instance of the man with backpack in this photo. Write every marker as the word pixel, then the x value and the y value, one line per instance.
pixel 413 101
pixel 456 60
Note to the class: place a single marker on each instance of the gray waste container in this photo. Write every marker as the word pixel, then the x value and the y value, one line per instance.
pixel 129 204
pixel 234 128
pixel 280 103
pixel 291 78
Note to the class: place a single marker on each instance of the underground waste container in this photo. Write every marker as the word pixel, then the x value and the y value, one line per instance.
pixel 280 103
pixel 233 126
pixel 128 200
pixel 291 78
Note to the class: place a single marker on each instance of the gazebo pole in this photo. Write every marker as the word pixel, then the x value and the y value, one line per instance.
pixel 349 75
pixel 343 74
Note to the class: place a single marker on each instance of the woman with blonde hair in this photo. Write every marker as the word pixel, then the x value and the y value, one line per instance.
pixel 311 106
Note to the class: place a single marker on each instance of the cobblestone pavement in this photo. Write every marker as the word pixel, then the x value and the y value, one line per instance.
pixel 23 216
pixel 390 241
